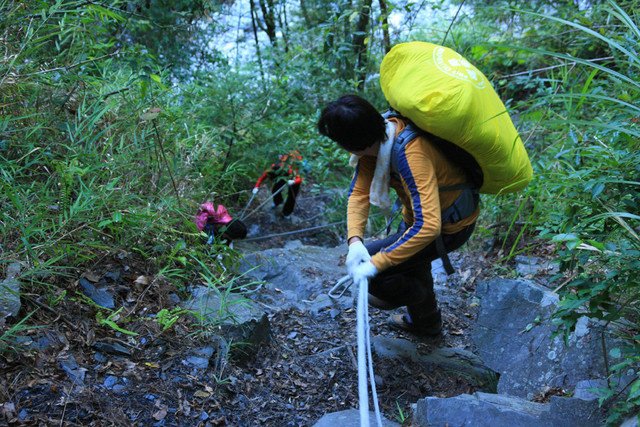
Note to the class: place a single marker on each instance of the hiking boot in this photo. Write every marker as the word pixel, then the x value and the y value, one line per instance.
pixel 430 328
pixel 381 304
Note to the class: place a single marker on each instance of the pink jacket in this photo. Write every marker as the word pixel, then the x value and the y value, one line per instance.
pixel 208 214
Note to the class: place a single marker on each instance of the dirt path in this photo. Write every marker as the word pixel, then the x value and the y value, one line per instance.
pixel 75 372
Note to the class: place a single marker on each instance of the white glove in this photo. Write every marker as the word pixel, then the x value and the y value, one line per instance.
pixel 365 270
pixel 357 255
pixel 291 182
pixel 255 190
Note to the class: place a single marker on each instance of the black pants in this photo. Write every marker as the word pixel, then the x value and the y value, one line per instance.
pixel 292 193
pixel 411 283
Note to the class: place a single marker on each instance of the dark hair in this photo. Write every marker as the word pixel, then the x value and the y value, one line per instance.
pixel 234 230
pixel 352 122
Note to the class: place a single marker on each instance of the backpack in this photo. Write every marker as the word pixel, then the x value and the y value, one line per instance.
pixel 467 202
pixel 445 96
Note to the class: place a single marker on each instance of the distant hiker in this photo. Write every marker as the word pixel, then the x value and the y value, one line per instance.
pixel 216 221
pixel 284 172
pixel 433 221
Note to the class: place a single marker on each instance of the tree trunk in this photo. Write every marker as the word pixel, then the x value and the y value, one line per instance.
pixel 386 40
pixel 284 25
pixel 254 26
pixel 268 15
pixel 305 13
pixel 359 42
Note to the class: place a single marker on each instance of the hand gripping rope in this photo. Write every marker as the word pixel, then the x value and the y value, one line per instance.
pixel 364 349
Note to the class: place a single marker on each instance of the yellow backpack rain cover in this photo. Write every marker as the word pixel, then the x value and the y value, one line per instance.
pixel 442 93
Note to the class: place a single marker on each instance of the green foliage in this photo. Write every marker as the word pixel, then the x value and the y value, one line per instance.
pixel 582 129
pixel 167 318
pixel 8 336
pixel 97 153
pixel 111 322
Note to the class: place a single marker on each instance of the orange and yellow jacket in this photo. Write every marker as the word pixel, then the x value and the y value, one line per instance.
pixel 422 168
pixel 287 167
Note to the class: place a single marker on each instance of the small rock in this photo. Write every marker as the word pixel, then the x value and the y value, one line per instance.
pixel 110 381
pixel 196 362
pixel 110 348
pixel 23 415
pixel 99 357
pixel 119 388
pixel 113 275
pixel 174 298
pixel 527 266
pixel 150 396
pixel 73 370
pixel 100 296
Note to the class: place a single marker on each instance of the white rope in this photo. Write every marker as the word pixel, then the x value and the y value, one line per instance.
pixel 364 357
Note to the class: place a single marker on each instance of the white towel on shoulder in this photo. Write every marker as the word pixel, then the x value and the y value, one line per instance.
pixel 379 191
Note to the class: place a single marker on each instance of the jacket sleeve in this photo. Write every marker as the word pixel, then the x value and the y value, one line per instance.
pixel 261 179
pixel 358 204
pixel 417 171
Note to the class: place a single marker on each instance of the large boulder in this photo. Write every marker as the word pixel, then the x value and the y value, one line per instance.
pixel 453 361
pixel 514 337
pixel 242 322
pixel 493 410
pixel 295 274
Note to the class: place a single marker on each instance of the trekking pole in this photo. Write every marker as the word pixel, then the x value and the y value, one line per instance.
pixel 365 358
pixel 263 203
pixel 247 205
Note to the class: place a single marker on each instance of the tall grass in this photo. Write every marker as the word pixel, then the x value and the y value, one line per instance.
pixel 97 155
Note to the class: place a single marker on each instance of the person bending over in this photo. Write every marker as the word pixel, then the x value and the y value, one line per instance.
pixel 399 266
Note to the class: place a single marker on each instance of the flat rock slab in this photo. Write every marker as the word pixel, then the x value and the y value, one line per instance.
pixel 296 274
pixel 493 410
pixel 350 418
pixel 454 361
pixel 524 353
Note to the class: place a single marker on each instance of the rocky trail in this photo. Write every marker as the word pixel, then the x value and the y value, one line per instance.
pixel 286 354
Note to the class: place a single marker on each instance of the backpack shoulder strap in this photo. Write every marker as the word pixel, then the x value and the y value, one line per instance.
pixel 408 134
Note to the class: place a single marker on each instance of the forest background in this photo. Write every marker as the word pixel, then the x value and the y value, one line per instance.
pixel 118 118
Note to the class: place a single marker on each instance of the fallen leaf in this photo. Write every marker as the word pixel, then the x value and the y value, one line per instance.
pixel 91 276
pixel 150 114
pixel 142 280
pixel 161 414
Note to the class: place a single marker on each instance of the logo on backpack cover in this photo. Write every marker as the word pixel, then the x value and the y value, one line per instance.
pixel 454 65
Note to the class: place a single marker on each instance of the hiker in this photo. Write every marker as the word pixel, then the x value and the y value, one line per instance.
pixel 284 172
pixel 217 222
pixel 399 266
